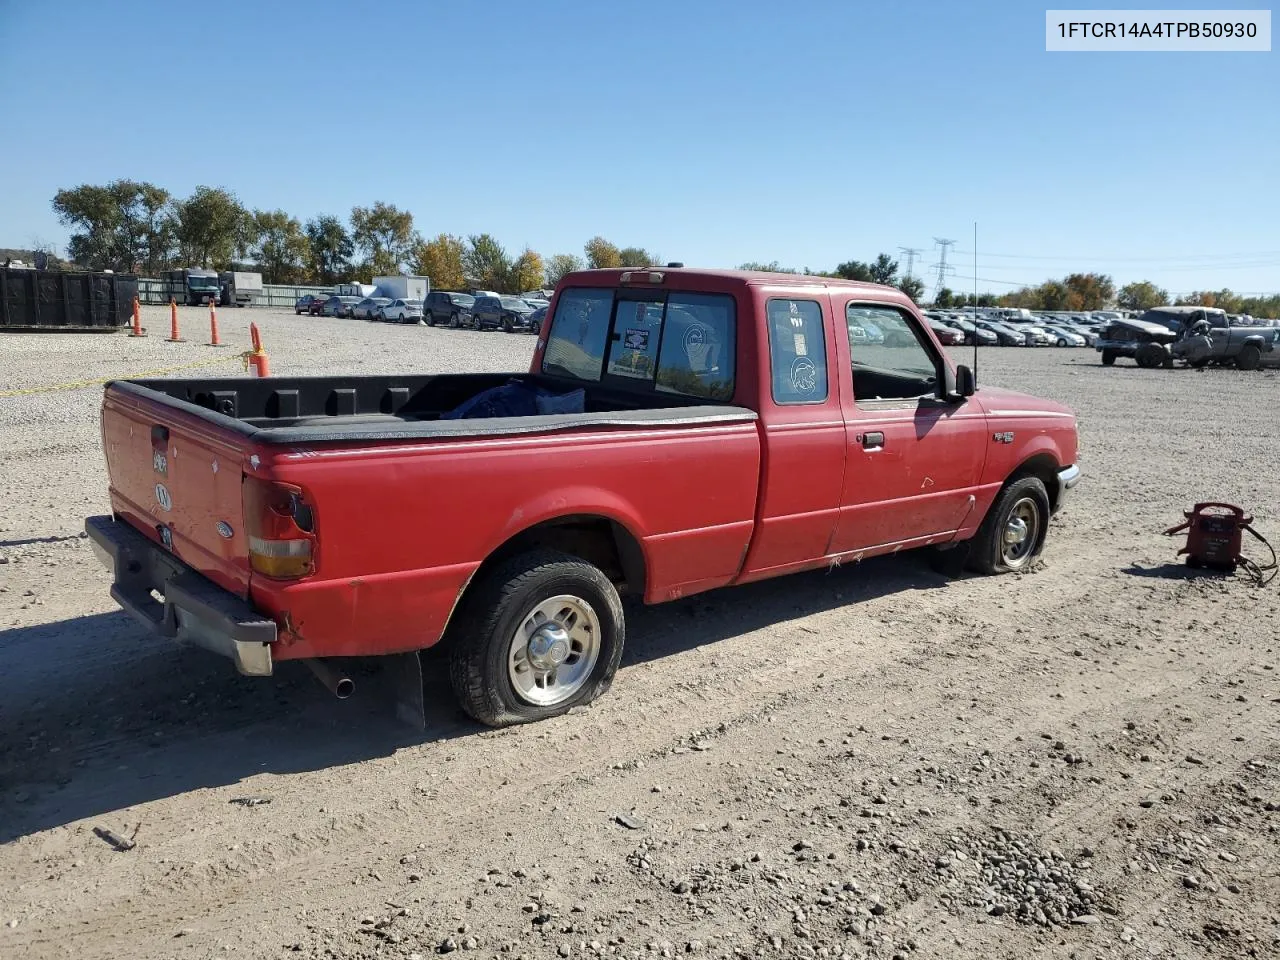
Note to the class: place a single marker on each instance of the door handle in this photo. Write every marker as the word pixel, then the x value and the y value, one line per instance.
pixel 875 439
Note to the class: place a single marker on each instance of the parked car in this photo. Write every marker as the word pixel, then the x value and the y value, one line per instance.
pixel 367 309
pixel 1065 337
pixel 304 303
pixel 536 319
pixel 509 313
pixel 972 332
pixel 1005 336
pixel 947 334
pixel 401 311
pixel 635 457
pixel 448 307
pixel 339 306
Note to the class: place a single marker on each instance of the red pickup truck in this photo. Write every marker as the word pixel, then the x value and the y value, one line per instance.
pixel 678 430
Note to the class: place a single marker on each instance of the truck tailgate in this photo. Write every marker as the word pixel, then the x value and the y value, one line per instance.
pixel 178 481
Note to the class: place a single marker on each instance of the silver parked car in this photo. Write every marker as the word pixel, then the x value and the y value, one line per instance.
pixel 367 309
pixel 401 311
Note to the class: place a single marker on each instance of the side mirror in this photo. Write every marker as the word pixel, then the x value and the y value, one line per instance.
pixel 966 383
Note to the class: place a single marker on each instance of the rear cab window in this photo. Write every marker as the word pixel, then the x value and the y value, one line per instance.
pixel 672 342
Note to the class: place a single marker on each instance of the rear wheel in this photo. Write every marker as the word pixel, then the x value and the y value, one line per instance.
pixel 1249 358
pixel 1108 358
pixel 1013 533
pixel 539 635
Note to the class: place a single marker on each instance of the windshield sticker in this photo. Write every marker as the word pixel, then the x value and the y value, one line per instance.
pixel 636 339
pixel 802 349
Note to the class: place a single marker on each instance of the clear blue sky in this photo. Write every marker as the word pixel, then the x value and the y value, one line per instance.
pixel 711 133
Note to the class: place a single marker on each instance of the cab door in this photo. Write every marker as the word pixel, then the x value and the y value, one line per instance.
pixel 913 456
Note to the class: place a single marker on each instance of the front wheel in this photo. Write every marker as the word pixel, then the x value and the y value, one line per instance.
pixel 506 325
pixel 1108 358
pixel 453 321
pixel 541 634
pixel 1249 357
pixel 1013 533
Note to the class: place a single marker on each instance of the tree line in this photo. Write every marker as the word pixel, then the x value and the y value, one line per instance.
pixel 1097 291
pixel 136 227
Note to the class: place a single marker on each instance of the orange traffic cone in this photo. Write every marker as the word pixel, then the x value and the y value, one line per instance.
pixel 213 326
pixel 257 357
pixel 173 322
pixel 137 330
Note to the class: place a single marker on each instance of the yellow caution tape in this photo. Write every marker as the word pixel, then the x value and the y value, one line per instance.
pixel 157 372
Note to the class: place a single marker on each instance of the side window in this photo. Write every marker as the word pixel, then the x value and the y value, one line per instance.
pixel 890 358
pixel 797 351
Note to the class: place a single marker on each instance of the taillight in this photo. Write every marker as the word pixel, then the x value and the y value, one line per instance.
pixel 280 527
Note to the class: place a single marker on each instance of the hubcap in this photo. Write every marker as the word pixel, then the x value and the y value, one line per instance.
pixel 1021 531
pixel 554 650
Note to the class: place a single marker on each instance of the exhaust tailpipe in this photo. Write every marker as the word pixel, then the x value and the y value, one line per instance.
pixel 340 686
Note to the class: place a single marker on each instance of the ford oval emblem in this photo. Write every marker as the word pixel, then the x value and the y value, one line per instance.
pixel 163 498
pixel 224 529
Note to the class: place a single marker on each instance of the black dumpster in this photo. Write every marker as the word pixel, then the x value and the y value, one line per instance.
pixel 63 301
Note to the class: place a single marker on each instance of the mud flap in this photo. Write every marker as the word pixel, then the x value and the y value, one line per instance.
pixel 405 673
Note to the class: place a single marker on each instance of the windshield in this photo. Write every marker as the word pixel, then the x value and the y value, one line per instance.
pixel 203 283
pixel 462 299
pixel 515 303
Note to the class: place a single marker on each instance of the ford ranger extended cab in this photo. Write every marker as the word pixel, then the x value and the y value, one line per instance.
pixel 678 430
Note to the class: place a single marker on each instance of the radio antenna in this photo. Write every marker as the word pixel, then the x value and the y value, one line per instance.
pixel 975 304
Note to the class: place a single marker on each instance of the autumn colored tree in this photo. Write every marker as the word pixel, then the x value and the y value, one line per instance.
pixel 527 272
pixel 601 253
pixel 442 260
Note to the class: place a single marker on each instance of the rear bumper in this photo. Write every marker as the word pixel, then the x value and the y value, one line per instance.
pixel 1068 477
pixel 192 608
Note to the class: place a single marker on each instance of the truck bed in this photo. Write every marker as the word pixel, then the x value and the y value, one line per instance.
pixel 292 410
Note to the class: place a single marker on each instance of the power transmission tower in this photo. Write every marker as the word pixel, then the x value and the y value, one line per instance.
pixel 911 253
pixel 941 265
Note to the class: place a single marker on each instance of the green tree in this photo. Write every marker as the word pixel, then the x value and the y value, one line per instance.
pixel 913 287
pixel 210 227
pixel 601 253
pixel 636 257
pixel 125 226
pixel 280 247
pixel 944 299
pixel 329 250
pixel 560 265
pixel 884 270
pixel 527 272
pixel 771 267
pixel 487 265
pixel 1141 295
pixel 853 270
pixel 441 259
pixel 384 234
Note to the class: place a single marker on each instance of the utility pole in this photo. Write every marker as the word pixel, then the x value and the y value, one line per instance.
pixel 941 266
pixel 910 253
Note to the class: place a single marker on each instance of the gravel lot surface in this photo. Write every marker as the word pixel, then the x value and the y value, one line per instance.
pixel 1083 761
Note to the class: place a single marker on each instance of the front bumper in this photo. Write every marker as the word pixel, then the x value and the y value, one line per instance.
pixel 191 607
pixel 1068 477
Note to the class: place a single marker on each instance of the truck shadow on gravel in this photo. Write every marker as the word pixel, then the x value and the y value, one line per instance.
pixel 96 716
